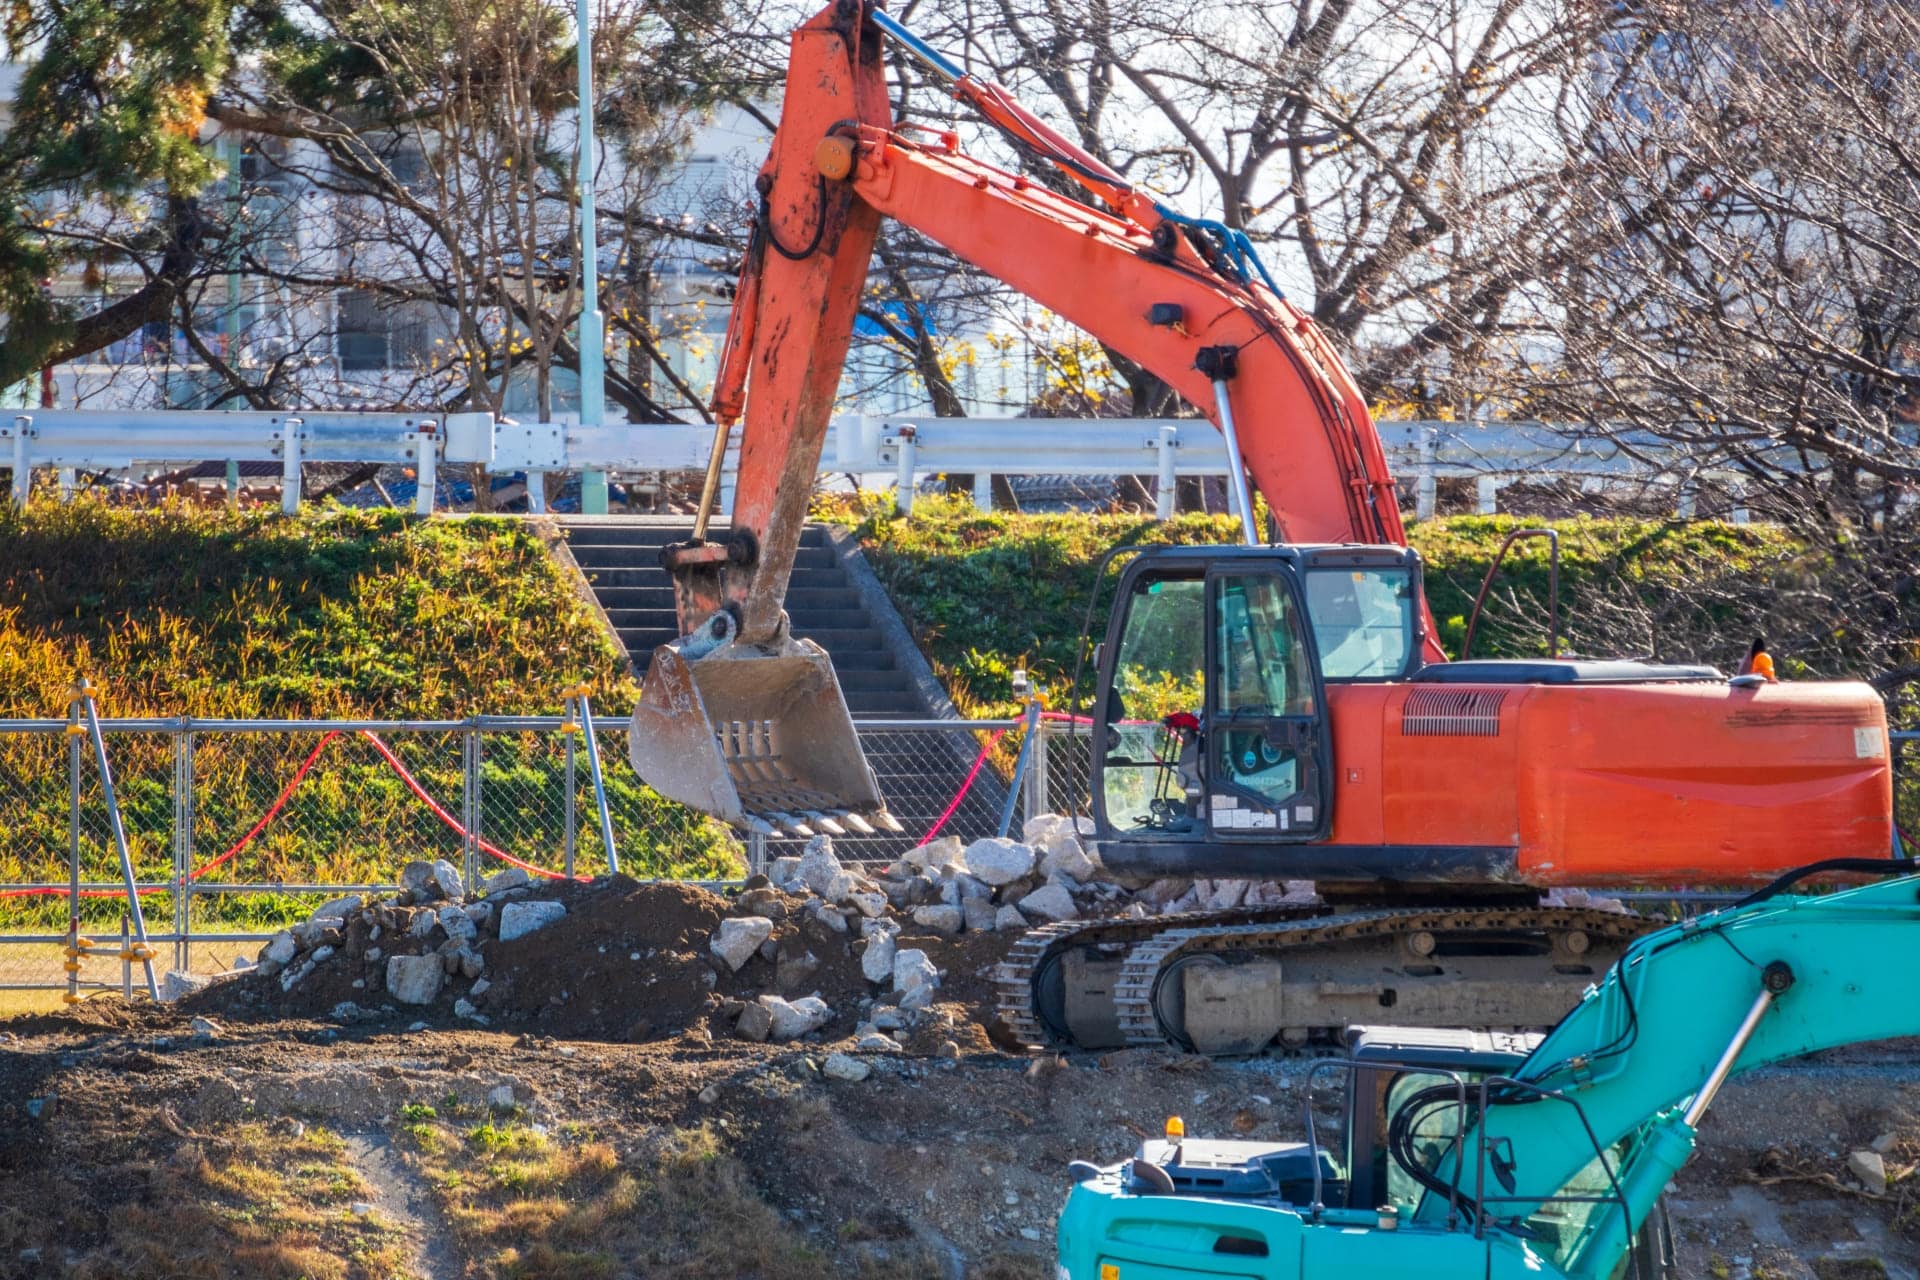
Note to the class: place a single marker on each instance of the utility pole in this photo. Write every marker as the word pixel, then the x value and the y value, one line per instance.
pixel 592 336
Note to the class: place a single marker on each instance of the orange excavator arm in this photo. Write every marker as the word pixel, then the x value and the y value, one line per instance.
pixel 1182 297
pixel 745 721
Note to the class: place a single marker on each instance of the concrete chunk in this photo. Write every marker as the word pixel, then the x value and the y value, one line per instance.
pixel 415 979
pixel 738 939
pixel 518 918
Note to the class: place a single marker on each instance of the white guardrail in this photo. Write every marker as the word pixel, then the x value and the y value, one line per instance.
pixel 902 448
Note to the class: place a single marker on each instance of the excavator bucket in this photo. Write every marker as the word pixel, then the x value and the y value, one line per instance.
pixel 761 740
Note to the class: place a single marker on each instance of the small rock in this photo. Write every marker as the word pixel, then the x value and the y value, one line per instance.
pixel 416 1026
pixel 459 926
pixel 874 1042
pixel 947 1049
pixel 347 1011
pixel 1161 892
pixel 480 987
pixel 818 866
pixel 446 879
pixel 1070 860
pixel 415 979
pixel 518 919
pixel 980 914
pixel 320 955
pixel 471 964
pixel 919 998
pixel 416 882
pixel 281 949
pixel 177 986
pixel 500 1097
pixel 481 913
pixel 889 1019
pixel 1884 1143
pixel 785 871
pixel 762 902
pixel 1049 902
pixel 791 1020
pixel 795 969
pixel 998 861
pixel 501 881
pixel 423 925
pixel 912 970
pixel 337 910
pixel 943 920
pixel 840 1066
pixel 361 1208
pixel 206 1027
pixel 870 905
pixel 373 955
pixel 944 850
pixel 1226 895
pixel 1870 1169
pixel 755 1023
pixel 876 964
pixel 710 1094
pixel 464 1008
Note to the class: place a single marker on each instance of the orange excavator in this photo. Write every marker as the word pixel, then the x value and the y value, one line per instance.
pixel 1278 710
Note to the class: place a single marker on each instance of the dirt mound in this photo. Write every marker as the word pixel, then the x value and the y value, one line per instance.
pixel 628 962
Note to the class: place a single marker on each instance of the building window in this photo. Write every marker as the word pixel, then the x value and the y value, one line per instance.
pixel 374 335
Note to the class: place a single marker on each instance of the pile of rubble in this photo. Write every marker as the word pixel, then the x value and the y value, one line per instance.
pixel 947 889
pixel 411 947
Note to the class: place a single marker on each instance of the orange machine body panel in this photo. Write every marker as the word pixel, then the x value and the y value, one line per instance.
pixel 1617 784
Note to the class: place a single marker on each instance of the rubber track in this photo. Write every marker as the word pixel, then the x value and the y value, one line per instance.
pixel 1149 958
pixel 1013 977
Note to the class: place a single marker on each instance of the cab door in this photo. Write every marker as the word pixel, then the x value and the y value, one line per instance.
pixel 1268 754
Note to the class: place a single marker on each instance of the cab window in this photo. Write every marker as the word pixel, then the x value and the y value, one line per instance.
pixel 1362 621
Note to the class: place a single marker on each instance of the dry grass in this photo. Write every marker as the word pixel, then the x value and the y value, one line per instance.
pixel 527 1204
pixel 252 1205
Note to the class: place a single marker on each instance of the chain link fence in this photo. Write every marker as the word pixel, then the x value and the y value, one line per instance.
pixel 238 828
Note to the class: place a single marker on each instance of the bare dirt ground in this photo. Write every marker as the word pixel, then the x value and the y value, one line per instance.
pixel 607 1123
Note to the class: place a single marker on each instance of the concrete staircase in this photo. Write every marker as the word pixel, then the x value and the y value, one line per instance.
pixel 918 770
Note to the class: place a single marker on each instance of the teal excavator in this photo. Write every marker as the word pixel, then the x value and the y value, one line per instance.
pixel 1468 1155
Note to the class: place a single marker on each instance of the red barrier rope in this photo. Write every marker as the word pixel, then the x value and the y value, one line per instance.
pixel 286 793
pixel 965 787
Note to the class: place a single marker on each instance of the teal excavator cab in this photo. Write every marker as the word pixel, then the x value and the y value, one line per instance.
pixel 1463 1155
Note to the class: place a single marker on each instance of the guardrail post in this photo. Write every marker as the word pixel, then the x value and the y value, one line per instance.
pixel 290 465
pixel 427 471
pixel 68 480
pixel 22 473
pixel 1427 486
pixel 1486 491
pixel 983 490
pixel 904 442
pixel 536 493
pixel 1166 489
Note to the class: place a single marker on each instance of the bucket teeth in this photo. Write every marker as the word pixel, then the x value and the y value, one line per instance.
pixel 888 823
pixel 822 822
pixel 854 822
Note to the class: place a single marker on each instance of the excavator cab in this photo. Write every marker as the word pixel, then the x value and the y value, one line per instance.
pixel 1212 724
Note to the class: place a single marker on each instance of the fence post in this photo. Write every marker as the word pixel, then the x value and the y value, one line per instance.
pixel 573 807
pixel 599 781
pixel 182 845
pixel 74 732
pixel 1037 799
pixel 470 845
pixel 83 693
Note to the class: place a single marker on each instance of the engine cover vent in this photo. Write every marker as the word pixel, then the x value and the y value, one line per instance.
pixel 1452 713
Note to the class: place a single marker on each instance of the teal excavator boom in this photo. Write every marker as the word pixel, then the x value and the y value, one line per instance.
pixel 1525 1157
